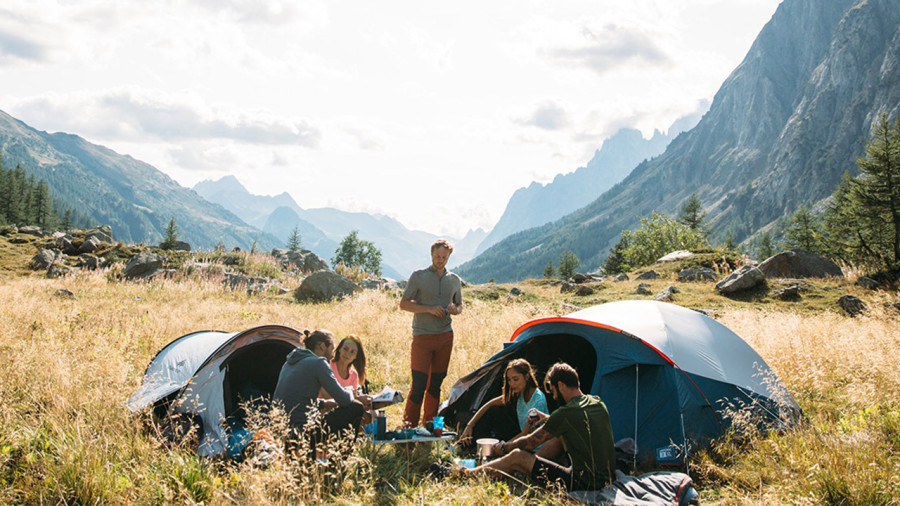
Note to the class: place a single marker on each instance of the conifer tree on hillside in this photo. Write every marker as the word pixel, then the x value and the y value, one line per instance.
pixel 549 270
pixel 66 222
pixel 766 248
pixel 568 264
pixel 692 213
pixel 170 239
pixel 863 216
pixel 803 230
pixel 294 241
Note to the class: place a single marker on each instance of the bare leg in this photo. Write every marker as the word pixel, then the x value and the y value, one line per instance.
pixel 552 449
pixel 515 461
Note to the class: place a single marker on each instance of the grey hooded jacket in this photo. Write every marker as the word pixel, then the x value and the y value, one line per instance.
pixel 301 377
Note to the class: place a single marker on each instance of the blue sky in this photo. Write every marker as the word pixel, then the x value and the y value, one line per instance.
pixel 433 113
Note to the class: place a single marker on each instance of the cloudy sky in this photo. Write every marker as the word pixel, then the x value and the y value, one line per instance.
pixel 433 113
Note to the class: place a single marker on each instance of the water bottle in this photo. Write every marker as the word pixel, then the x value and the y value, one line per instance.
pixel 380 424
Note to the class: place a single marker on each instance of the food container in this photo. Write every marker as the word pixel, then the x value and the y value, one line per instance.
pixel 486 448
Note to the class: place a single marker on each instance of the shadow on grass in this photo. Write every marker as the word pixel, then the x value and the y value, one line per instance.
pixel 757 294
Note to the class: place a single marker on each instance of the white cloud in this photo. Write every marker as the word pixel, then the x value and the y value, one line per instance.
pixel 17 47
pixel 136 115
pixel 548 116
pixel 609 47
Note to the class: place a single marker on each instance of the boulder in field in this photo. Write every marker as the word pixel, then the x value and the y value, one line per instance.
pixel 667 294
pixel 32 230
pixel 648 275
pixel 89 245
pixel 323 286
pixel 745 278
pixel 852 305
pixel 58 271
pixel 584 290
pixel 45 258
pixel 142 265
pixel 868 283
pixel 788 293
pixel 701 274
pixel 88 261
pixel 103 233
pixel 798 263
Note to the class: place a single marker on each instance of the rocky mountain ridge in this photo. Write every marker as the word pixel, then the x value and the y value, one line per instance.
pixel 782 129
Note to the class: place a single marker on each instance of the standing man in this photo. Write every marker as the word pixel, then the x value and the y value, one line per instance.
pixel 432 295
pixel 580 427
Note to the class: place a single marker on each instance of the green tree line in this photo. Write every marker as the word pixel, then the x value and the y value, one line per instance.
pixel 26 200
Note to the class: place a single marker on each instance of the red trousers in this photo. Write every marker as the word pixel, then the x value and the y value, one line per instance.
pixel 429 358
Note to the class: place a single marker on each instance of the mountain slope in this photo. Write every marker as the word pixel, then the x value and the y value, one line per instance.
pixel 322 229
pixel 133 197
pixel 781 130
pixel 538 204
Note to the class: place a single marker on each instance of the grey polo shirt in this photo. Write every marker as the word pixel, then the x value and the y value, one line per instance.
pixel 425 287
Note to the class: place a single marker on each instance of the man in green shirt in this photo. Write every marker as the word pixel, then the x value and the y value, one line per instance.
pixel 579 427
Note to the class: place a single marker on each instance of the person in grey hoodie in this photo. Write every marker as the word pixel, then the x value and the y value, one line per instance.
pixel 304 373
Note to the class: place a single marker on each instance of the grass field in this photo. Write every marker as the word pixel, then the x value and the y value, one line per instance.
pixel 67 364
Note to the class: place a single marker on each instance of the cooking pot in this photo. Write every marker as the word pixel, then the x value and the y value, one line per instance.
pixel 486 448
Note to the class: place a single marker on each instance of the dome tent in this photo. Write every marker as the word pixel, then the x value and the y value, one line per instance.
pixel 668 375
pixel 207 375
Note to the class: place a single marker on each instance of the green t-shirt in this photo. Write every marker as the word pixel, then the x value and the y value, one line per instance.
pixel 584 425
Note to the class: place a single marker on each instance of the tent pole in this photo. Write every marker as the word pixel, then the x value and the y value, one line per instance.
pixel 637 368
pixel 684 440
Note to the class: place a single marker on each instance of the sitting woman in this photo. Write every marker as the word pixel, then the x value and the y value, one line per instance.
pixel 349 368
pixel 506 417
pixel 348 364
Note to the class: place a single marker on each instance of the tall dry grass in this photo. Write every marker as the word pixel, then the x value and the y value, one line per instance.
pixel 67 366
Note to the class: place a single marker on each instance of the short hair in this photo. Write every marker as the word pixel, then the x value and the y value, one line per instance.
pixel 360 363
pixel 441 243
pixel 316 337
pixel 562 372
pixel 523 367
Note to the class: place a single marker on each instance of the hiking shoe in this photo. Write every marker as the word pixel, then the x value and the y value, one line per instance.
pixel 440 470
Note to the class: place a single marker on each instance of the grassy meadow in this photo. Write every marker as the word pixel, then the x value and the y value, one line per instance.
pixel 68 363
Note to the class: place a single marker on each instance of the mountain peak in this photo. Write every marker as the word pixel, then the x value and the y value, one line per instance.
pixel 226 184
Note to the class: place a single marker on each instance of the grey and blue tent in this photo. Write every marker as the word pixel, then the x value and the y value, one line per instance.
pixel 208 377
pixel 671 377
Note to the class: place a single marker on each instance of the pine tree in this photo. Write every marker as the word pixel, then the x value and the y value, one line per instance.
pixel 616 262
pixel 293 243
pixel 862 218
pixel 170 239
pixel 43 207
pixel 12 199
pixel 692 214
pixel 549 270
pixel 765 249
pixel 568 264
pixel 254 248
pixel 66 223
pixel 803 230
